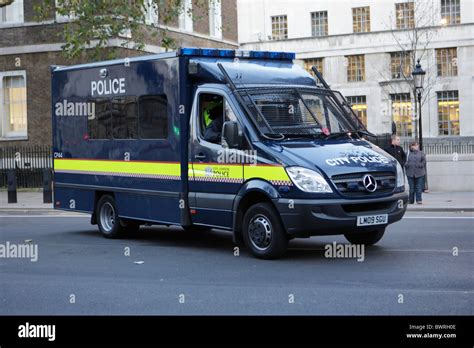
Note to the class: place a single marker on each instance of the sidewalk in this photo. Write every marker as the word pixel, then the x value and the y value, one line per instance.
pixel 445 201
pixel 433 201
pixel 27 200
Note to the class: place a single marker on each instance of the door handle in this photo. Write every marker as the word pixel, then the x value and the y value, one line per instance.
pixel 200 156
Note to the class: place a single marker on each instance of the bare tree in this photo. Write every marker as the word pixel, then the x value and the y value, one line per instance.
pixel 91 24
pixel 412 28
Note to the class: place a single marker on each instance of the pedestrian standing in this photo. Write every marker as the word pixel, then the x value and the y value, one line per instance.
pixel 396 150
pixel 415 170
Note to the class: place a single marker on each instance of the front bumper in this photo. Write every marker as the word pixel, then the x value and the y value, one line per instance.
pixel 311 217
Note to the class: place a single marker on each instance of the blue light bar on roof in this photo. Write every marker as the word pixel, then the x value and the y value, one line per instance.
pixel 222 53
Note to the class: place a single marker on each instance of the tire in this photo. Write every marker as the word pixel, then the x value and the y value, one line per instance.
pixel 107 218
pixel 263 232
pixel 366 237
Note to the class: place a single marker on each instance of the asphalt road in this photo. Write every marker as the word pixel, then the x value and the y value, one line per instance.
pixel 80 272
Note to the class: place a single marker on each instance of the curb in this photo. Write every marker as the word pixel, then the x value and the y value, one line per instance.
pixel 435 209
pixel 410 209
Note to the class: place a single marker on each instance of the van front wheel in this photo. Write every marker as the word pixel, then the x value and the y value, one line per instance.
pixel 366 238
pixel 263 232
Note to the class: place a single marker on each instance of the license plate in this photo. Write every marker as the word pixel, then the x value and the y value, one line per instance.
pixel 368 220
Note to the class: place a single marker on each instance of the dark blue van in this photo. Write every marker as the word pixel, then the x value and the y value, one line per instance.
pixel 245 141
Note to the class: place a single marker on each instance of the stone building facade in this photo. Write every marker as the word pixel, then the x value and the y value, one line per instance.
pixel 360 45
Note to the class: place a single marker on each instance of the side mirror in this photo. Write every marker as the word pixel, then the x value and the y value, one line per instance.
pixel 230 134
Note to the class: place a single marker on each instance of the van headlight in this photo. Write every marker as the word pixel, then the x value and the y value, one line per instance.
pixel 308 180
pixel 401 180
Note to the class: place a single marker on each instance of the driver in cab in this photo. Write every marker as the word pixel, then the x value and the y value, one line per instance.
pixel 212 107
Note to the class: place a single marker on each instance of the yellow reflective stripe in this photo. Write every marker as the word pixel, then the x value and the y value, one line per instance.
pixel 270 173
pixel 169 170
pixel 119 167
pixel 236 173
pixel 217 171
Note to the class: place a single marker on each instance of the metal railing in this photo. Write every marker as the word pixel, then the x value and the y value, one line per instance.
pixel 432 146
pixel 28 163
pixel 445 147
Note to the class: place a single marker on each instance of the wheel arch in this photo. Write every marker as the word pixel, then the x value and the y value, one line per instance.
pixel 97 196
pixel 253 191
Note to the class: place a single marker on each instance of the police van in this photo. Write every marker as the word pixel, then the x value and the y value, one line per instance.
pixel 245 141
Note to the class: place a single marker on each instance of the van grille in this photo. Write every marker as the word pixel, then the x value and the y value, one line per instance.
pixel 351 185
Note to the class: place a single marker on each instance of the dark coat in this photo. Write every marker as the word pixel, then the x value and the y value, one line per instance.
pixel 415 166
pixel 213 133
pixel 398 153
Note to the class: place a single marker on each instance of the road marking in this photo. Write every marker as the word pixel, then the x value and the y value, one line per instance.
pixel 394 250
pixel 43 216
pixel 405 217
pixel 438 217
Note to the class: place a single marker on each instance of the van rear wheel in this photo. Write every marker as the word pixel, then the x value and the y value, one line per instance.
pixel 263 232
pixel 108 220
pixel 366 237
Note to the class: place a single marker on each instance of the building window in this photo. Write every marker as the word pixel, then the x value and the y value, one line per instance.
pixel 450 12
pixel 402 114
pixel 405 15
pixel 361 19
pixel 215 18
pixel 151 12
pixel 279 27
pixel 186 15
pixel 355 68
pixel 319 23
pixel 12 13
pixel 359 105
pixel 448 113
pixel 317 62
pixel 446 60
pixel 13 120
pixel 400 65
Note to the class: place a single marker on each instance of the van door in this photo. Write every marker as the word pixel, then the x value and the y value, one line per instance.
pixel 217 171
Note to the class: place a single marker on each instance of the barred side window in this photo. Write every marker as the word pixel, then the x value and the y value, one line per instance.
pixel 100 125
pixel 153 117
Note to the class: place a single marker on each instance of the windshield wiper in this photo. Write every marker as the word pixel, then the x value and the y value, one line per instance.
pixel 274 136
pixel 362 132
pixel 339 134
pixel 304 136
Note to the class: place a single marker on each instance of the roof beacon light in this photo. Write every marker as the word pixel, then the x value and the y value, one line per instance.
pixel 214 52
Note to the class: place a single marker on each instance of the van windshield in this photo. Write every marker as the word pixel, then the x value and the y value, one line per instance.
pixel 294 111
